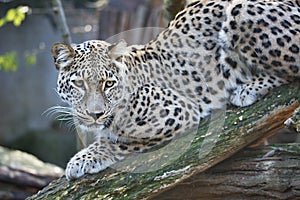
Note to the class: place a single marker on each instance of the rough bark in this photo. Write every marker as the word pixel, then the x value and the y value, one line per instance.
pixel 260 173
pixel 241 127
pixel 22 175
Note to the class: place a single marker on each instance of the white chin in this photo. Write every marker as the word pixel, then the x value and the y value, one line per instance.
pixel 91 128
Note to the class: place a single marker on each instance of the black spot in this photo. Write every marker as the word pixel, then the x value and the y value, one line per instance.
pixel 264 58
pixel 251 12
pixel 272 18
pixel 280 42
pixel 236 10
pixel 156 96
pixel 295 18
pixel 221 84
pixel 168 132
pixel 231 62
pixel 285 24
pixel 206 100
pixel 294 48
pixel 287 38
pixel 159 131
pixel 235 37
pixel 289 58
pixel 207 20
pixel 205 10
pixel 226 73
pixel 257 30
pixel 294 68
pixel 169 122
pixel 242 29
pixel 218 12
pixel 263 36
pixel 245 49
pixel 275 53
pixel 198 90
pixel 178 24
pixel 260 10
pixel 209 45
pixel 294 32
pixel 266 66
pixel 276 63
pixel 253 39
pixel 167 103
pixel 238 81
pixel 184 73
pixel 275 30
pixel 185 29
pixel 195 76
pixel 123 147
pixel 141 123
pixel 178 126
pixel 136 148
pixel 151 144
pixel 210 4
pixel 233 24
pixel 163 113
pixel 262 22
pixel 208 32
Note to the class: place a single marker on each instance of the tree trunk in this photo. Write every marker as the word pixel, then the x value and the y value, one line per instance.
pixel 260 173
pixel 215 141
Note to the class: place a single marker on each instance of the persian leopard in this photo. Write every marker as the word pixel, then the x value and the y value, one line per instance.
pixel 211 54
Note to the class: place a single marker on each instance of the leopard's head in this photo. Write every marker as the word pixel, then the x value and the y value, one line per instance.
pixel 92 79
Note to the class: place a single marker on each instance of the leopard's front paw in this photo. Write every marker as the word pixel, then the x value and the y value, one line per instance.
pixel 243 96
pixel 83 163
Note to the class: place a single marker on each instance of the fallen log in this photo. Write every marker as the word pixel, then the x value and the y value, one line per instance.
pixel 22 174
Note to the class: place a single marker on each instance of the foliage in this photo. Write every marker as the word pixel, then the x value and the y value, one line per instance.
pixel 15 15
pixel 30 58
pixel 8 61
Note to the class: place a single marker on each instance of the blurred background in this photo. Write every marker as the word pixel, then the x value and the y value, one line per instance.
pixel 27 73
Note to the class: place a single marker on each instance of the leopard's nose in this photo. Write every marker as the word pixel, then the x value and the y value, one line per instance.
pixel 96 115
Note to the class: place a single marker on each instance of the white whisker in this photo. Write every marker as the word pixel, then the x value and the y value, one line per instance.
pixel 63 114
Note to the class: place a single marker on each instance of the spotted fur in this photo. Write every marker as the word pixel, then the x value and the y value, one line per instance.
pixel 211 54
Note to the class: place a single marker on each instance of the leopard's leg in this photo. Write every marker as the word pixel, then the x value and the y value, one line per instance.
pixel 248 93
pixel 96 157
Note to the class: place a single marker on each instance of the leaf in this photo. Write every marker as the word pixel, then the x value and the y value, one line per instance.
pixel 2 22
pixel 30 59
pixel 9 62
pixel 15 15
pixel 11 14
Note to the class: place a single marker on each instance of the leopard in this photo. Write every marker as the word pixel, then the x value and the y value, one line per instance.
pixel 137 97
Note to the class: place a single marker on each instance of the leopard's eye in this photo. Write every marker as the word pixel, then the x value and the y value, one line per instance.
pixel 109 84
pixel 78 83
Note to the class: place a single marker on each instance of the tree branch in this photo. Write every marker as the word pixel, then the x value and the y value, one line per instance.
pixel 241 127
pixel 61 20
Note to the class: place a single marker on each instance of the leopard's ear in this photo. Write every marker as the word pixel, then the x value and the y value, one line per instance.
pixel 117 50
pixel 63 55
